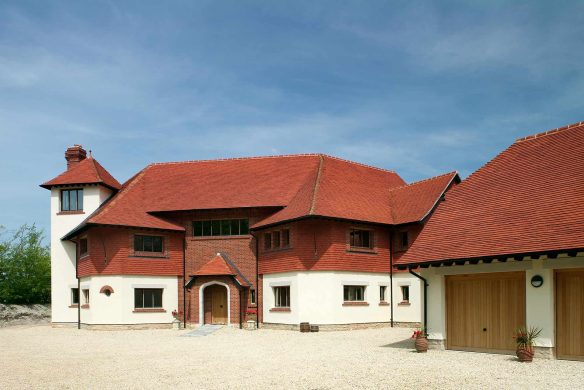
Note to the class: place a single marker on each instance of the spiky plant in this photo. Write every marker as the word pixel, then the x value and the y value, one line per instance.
pixel 525 337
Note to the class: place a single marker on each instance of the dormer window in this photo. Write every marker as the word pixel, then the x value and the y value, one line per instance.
pixel 72 200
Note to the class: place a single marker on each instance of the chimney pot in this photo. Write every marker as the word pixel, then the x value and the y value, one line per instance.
pixel 74 154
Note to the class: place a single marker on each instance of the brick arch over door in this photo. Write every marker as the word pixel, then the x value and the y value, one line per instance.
pixel 202 300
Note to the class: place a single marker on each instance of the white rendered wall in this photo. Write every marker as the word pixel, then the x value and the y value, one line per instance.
pixel 63 252
pixel 317 297
pixel 539 302
pixel 118 308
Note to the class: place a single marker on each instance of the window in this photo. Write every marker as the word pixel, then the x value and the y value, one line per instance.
pixel 354 293
pixel 276 239
pixel 83 247
pixel 148 243
pixel 74 296
pixel 382 290
pixel 221 227
pixel 268 241
pixel 405 293
pixel 85 296
pixel 252 296
pixel 71 200
pixel 404 240
pixel 361 239
pixel 148 298
pixel 286 238
pixel 282 296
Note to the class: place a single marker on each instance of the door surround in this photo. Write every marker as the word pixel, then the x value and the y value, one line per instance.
pixel 202 301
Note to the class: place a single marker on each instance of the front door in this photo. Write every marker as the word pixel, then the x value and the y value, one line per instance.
pixel 218 304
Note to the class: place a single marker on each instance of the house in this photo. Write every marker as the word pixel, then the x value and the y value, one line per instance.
pixel 281 239
pixel 506 249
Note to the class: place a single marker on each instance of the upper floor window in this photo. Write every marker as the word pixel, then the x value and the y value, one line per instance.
pixel 362 239
pixel 268 241
pixel 221 227
pixel 152 244
pixel 404 240
pixel 286 238
pixel 72 200
pixel 83 247
pixel 277 239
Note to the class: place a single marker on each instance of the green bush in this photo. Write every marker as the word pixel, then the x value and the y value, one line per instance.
pixel 25 267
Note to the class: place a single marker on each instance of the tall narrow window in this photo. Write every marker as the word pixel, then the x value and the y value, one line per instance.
pixel 354 293
pixel 72 200
pixel 382 290
pixel 276 239
pixel 282 296
pixel 252 296
pixel 74 296
pixel 405 293
pixel 268 241
pixel 85 296
pixel 361 239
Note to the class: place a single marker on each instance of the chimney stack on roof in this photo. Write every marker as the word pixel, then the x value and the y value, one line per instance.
pixel 74 154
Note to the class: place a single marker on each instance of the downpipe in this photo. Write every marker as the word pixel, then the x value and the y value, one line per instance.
pixel 425 323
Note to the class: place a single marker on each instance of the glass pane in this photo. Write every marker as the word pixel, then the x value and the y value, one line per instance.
pixel 226 227
pixel 138 298
pixel 243 226
pixel 346 293
pixel 147 243
pixel 206 228
pixel 276 239
pixel 157 244
pixel 216 228
pixel 74 296
pixel 157 295
pixel 267 241
pixel 79 199
pixel 235 227
pixel 285 237
pixel 366 239
pixel 198 228
pixel 148 298
pixel 138 244
pixel 73 200
pixel 64 200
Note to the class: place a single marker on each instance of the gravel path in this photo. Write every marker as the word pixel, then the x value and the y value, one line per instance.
pixel 39 356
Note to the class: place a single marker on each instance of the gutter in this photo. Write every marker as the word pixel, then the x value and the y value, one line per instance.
pixel 425 323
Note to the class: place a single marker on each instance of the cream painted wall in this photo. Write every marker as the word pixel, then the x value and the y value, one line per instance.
pixel 540 309
pixel 63 252
pixel 317 297
pixel 118 308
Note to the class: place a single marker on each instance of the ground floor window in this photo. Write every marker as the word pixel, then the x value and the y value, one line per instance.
pixel 354 293
pixel 85 296
pixel 405 290
pixel 252 296
pixel 282 296
pixel 382 290
pixel 75 296
pixel 148 298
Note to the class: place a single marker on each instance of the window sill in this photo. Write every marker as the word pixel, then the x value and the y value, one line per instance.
pixel 160 310
pixel 85 306
pixel 404 303
pixel 148 255
pixel 280 309
pixel 383 303
pixel 83 256
pixel 362 250
pixel 355 304
pixel 71 212
pixel 276 250
pixel 73 306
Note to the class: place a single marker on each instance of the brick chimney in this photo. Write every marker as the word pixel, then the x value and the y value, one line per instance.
pixel 74 154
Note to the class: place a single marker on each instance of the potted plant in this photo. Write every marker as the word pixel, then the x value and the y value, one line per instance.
pixel 176 324
pixel 421 337
pixel 525 339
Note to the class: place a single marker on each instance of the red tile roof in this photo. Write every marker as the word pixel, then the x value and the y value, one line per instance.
pixel 529 198
pixel 222 265
pixel 87 171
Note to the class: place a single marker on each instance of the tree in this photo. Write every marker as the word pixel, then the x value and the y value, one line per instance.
pixel 25 267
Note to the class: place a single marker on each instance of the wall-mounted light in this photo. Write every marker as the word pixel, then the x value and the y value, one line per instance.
pixel 537 281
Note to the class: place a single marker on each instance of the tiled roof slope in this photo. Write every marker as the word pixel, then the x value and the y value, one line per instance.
pixel 87 171
pixel 341 189
pixel 221 265
pixel 529 198
pixel 415 201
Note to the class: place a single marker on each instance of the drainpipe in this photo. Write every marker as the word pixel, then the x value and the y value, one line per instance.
pixel 240 308
pixel 425 297
pixel 257 286
pixel 185 282
pixel 391 274
pixel 78 285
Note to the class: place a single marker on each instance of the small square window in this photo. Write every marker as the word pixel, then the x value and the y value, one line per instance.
pixel 405 290
pixel 282 296
pixel 85 296
pixel 359 238
pixel 382 290
pixel 74 296
pixel 83 249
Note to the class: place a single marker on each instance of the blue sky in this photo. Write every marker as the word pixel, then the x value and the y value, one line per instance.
pixel 421 88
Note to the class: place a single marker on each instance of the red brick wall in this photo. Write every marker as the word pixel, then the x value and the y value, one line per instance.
pixel 111 252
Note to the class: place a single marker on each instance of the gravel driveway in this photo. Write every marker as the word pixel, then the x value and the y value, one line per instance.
pixel 40 356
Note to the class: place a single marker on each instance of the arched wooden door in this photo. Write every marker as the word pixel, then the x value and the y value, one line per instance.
pixel 218 303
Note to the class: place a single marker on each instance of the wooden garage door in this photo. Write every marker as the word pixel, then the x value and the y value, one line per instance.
pixel 482 311
pixel 570 314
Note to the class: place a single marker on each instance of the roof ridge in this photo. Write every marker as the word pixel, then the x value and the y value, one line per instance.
pixel 316 185
pixel 358 163
pixel 549 132
pixel 424 180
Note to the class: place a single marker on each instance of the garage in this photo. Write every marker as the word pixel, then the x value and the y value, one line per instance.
pixel 570 314
pixel 483 310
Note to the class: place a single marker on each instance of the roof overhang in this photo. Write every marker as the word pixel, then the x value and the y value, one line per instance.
pixel 49 186
pixel 488 259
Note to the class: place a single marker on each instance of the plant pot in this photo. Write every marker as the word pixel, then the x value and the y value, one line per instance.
pixel 524 354
pixel 421 344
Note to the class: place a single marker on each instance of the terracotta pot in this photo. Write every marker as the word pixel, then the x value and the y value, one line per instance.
pixel 421 344
pixel 524 354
